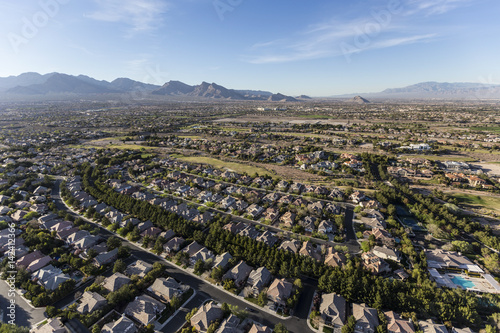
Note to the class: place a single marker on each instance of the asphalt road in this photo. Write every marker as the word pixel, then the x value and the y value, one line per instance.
pixel 178 320
pixel 293 324
pixel 25 315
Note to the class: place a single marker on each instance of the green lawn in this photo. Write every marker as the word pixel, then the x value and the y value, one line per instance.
pixel 314 116
pixel 216 163
pixel 493 129
pixel 444 158
pixel 478 200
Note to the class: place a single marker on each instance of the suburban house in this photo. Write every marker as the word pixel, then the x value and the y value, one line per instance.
pixel 258 279
pixel 38 263
pixel 116 281
pixel 441 259
pixel 366 318
pixel 122 325
pixel 279 291
pixel 238 273
pixel 173 245
pixel 386 253
pixel 288 219
pixel 203 254
pixel 381 235
pixel 90 302
pixel 259 328
pixel 290 245
pixel 139 268
pixel 429 326
pixel 166 289
pixel 29 258
pixel 333 310
pixel 268 238
pixel 230 325
pixel 357 197
pixel 395 324
pixel 334 258
pixel 106 257
pixel 207 314
pixel 192 248
pixel 144 309
pixel 222 260
pixel 325 226
pixel 53 325
pixel 308 250
pixel 50 277
pixel 86 242
pixel 374 263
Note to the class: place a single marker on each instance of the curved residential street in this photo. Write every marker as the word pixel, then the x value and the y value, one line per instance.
pixel 204 289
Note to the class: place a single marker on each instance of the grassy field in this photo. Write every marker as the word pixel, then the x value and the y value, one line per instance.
pixel 478 200
pixel 193 137
pixel 302 135
pixel 493 129
pixel 443 158
pixel 237 167
pixel 314 116
pixel 126 146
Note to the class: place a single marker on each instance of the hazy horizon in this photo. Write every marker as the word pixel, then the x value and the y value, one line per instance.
pixel 317 49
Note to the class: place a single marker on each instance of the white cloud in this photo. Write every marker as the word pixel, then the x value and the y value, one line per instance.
pixel 141 15
pixel 434 7
pixel 374 31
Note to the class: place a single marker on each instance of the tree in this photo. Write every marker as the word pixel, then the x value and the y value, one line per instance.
pixel 199 266
pixel 191 314
pixel 225 308
pixel 119 266
pixel 365 246
pixel 494 320
pixel 462 246
pixel 123 252
pixel 490 329
pixel 262 298
pixel 217 273
pixel 113 243
pixel 349 326
pixel 280 328
pixel 229 284
pixel 158 247
pixel 92 253
pixel 175 302
pixel 10 328
pixel 52 311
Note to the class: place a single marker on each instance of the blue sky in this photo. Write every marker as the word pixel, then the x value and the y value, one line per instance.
pixel 319 48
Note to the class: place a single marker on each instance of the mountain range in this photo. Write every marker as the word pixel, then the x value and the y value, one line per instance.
pixel 436 90
pixel 35 84
pixel 38 86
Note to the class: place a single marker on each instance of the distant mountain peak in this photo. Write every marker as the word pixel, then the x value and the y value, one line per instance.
pixel 360 100
pixel 55 84
pixel 281 98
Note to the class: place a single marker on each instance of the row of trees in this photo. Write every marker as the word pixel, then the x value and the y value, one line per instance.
pixel 353 282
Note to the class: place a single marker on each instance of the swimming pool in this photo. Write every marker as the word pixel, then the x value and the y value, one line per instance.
pixel 458 280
